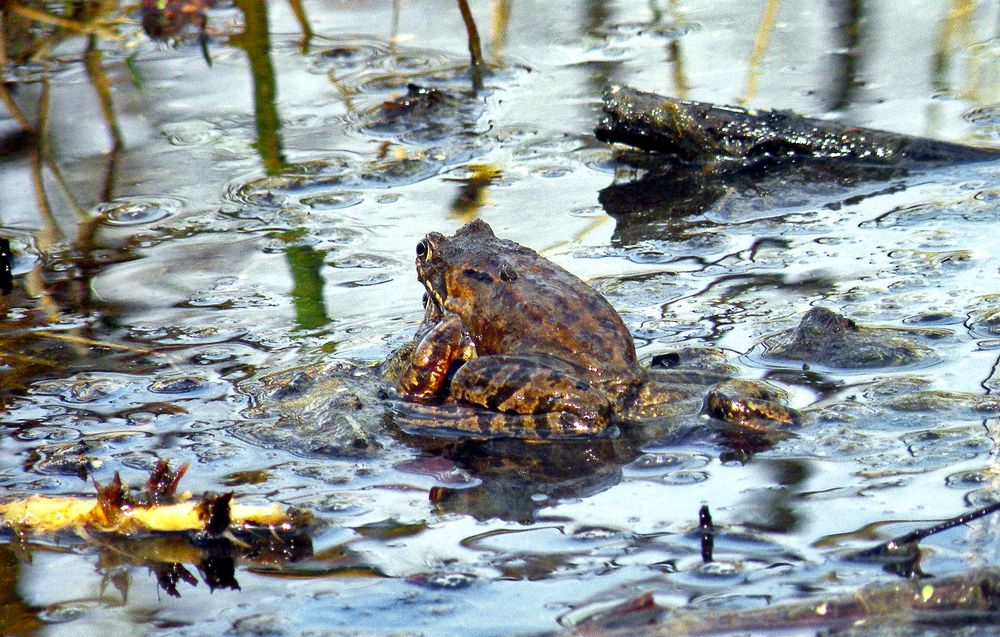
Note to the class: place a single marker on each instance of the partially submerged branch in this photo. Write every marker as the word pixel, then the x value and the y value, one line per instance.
pixel 901 554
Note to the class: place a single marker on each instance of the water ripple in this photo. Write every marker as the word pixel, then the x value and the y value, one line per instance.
pixel 132 211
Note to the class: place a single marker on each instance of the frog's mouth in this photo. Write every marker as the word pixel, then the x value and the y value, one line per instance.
pixel 432 279
pixel 433 304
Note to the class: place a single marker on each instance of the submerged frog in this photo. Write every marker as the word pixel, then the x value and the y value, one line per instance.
pixel 828 338
pixel 512 345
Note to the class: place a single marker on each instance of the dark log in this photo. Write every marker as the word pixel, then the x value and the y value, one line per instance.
pixel 704 133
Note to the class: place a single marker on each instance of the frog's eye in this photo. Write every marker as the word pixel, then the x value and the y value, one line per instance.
pixel 423 249
pixel 424 300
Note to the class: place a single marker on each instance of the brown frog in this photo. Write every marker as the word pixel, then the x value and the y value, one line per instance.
pixel 514 345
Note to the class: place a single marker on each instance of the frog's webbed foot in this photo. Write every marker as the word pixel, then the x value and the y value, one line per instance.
pixel 751 405
pixel 463 421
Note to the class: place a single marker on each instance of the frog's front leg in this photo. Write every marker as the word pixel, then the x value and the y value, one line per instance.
pixel 516 385
pixel 425 373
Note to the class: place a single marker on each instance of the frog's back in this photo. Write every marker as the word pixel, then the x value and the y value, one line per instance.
pixel 525 304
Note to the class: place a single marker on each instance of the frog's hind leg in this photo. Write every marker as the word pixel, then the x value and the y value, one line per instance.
pixel 524 385
pixel 461 421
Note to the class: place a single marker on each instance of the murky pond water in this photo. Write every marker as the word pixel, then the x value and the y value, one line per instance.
pixel 258 216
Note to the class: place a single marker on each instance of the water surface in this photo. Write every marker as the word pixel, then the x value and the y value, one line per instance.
pixel 209 225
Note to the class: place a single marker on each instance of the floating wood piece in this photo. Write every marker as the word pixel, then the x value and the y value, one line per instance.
pixel 45 514
pixel 117 510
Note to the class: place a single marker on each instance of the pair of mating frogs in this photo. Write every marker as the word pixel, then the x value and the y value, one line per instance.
pixel 512 345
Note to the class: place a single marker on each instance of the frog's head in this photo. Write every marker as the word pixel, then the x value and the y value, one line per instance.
pixel 439 257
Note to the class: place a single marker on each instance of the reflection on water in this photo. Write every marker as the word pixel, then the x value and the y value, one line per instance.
pixel 209 261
